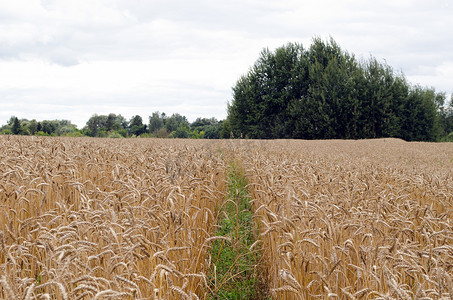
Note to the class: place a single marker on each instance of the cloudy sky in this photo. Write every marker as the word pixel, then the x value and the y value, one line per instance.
pixel 69 59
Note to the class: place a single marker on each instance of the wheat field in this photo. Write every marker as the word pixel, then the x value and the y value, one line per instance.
pixel 354 219
pixel 86 218
pixel 98 218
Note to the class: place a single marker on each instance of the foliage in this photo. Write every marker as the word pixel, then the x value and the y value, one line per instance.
pixel 41 133
pixel 182 132
pixel 115 135
pixel 448 138
pixel 136 126
pixel 161 133
pixel 46 127
pixel 6 131
pixel 101 125
pixel 156 122
pixel 210 127
pixel 324 92
pixel 16 128
pixel 175 121
pixel 112 125
pixel 195 134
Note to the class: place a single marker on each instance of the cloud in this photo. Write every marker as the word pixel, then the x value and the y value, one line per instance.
pixel 80 57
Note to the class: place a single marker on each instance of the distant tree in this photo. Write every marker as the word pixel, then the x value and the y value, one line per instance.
pixel 444 120
pixel 209 127
pixel 202 122
pixel 136 121
pixel 449 117
pixel 182 132
pixel 213 131
pixel 11 121
pixel 50 127
pixel 16 126
pixel 262 99
pixel 136 126
pixel 120 122
pixel 174 121
pixel 66 130
pixel 156 122
pixel 420 115
pixel 226 132
pixel 114 123
pixel 110 122
pixel 95 124
pixel 33 126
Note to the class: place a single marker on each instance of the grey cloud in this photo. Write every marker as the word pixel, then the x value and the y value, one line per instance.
pixel 412 36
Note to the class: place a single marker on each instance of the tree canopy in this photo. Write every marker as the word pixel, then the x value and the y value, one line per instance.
pixel 324 92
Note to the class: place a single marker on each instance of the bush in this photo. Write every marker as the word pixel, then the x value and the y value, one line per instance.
pixel 115 135
pixel 41 133
pixel 196 134
pixel 6 131
pixel 182 132
pixel 144 135
pixel 161 133
pixel 448 138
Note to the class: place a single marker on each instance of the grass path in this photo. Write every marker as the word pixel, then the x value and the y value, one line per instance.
pixel 236 260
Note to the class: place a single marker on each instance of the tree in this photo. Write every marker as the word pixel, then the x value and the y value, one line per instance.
pixel 32 126
pixel 182 132
pixel 16 126
pixel 262 98
pixel 120 122
pixel 156 122
pixel 323 92
pixel 201 123
pixel 110 122
pixel 136 121
pixel 213 131
pixel 95 124
pixel 136 126
pixel 174 121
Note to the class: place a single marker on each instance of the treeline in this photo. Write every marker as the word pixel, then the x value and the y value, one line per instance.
pixel 116 126
pixel 41 128
pixel 321 92
pixel 324 92
pixel 159 125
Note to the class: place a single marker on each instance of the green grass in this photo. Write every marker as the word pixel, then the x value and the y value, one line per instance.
pixel 235 275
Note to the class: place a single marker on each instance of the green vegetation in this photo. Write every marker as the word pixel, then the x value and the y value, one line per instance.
pixel 320 92
pixel 236 275
pixel 43 128
pixel 116 126
pixel 324 92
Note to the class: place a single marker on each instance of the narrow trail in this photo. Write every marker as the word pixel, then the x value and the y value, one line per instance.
pixel 237 259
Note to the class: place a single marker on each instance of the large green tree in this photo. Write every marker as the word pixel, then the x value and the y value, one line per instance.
pixel 324 92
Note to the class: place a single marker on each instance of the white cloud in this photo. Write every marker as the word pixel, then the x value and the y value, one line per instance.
pixel 73 58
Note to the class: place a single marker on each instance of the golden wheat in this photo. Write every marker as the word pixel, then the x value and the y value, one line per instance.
pixel 85 218
pixel 353 219
pixel 97 218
